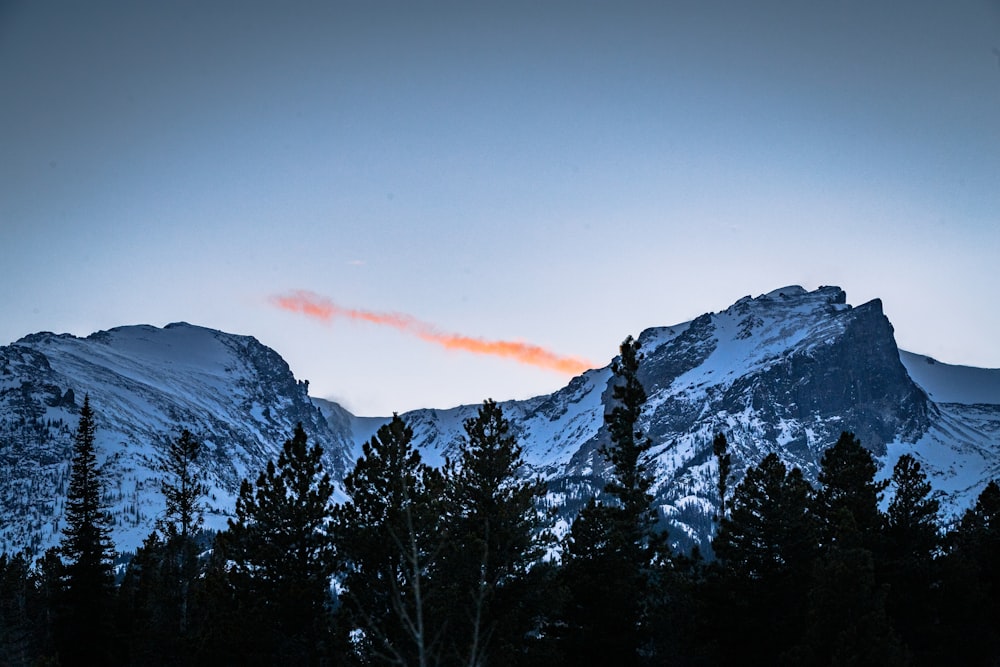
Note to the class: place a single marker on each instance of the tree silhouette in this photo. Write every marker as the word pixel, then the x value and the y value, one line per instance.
pixel 388 534
pixel 614 550
pixel 88 552
pixel 182 487
pixel 765 547
pixel 494 536
pixel 282 558
pixel 846 503
pixel 912 538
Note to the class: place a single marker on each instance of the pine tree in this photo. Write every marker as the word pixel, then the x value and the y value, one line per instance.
pixel 494 536
pixel 970 600
pixel 183 488
pixel 911 540
pixel 846 616
pixel 614 551
pixel 388 535
pixel 154 598
pixel 19 641
pixel 911 522
pixel 846 622
pixel 86 546
pixel 765 547
pixel 769 530
pixel 282 558
pixel 148 606
pixel 48 576
pixel 720 448
pixel 630 477
pixel 846 503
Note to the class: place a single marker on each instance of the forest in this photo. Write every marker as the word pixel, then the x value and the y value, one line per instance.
pixel 458 565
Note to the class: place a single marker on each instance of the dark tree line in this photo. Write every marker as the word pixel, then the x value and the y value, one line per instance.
pixel 415 565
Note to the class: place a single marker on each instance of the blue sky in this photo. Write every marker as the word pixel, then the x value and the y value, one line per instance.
pixel 561 173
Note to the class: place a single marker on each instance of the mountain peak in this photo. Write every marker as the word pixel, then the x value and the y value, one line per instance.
pixel 146 384
pixel 788 291
pixel 825 293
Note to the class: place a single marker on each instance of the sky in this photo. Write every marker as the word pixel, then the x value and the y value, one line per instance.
pixel 359 185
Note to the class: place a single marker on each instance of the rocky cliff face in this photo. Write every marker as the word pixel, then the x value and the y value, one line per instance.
pixel 800 366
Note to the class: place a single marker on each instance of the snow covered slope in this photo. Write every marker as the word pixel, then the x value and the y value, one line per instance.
pixel 945 383
pixel 960 449
pixel 145 385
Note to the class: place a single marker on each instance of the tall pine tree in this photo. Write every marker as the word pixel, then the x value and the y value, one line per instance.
pixel 846 616
pixel 907 563
pixel 846 503
pixel 494 536
pixel 614 550
pixel 388 534
pixel 282 558
pixel 83 630
pixel 724 460
pixel 765 547
pixel 182 487
pixel 20 617
pixel 155 594
pixel 769 531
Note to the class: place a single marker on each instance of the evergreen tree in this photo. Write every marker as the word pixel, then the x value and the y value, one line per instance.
pixel 599 619
pixel 980 526
pixel 630 477
pixel 846 619
pixel 911 541
pixel 155 593
pixel 146 623
pixel 846 622
pixel 720 448
pixel 765 547
pixel 614 551
pixel 388 534
pixel 183 488
pixel 220 617
pixel 47 577
pixel 494 536
pixel 19 640
pixel 769 531
pixel 846 504
pixel 912 517
pixel 282 558
pixel 970 599
pixel 86 546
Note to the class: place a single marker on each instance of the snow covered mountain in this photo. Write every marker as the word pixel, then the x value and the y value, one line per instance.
pixel 786 371
pixel 145 385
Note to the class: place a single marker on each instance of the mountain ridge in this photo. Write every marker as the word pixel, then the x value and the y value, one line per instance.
pixel 785 371
pixel 145 384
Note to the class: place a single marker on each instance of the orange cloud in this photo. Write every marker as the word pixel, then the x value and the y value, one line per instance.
pixel 320 308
